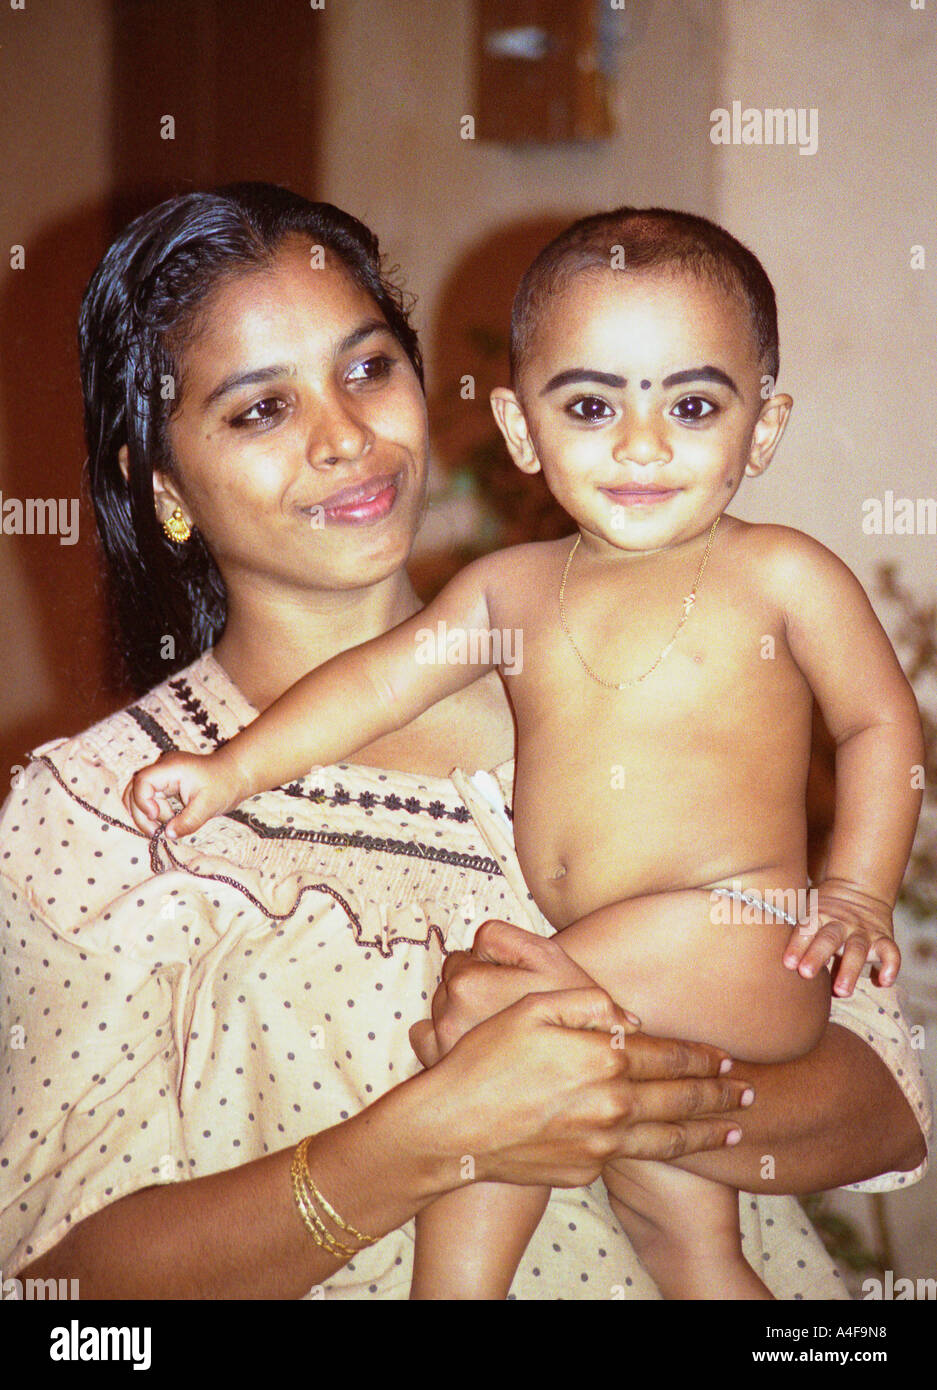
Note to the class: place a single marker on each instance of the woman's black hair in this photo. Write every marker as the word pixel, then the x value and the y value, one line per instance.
pixel 168 601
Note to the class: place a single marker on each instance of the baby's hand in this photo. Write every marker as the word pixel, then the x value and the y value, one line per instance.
pixel 206 784
pixel 851 921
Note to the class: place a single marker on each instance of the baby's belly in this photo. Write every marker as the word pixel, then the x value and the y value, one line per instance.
pixel 696 967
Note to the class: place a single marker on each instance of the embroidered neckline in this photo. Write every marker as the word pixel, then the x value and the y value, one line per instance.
pixel 340 797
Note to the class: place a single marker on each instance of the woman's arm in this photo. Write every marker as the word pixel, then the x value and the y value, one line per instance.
pixel 537 1094
pixel 834 1116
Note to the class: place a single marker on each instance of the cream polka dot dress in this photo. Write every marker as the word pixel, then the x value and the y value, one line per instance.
pixel 172 1011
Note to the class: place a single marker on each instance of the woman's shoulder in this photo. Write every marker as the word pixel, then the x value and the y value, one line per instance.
pixel 70 790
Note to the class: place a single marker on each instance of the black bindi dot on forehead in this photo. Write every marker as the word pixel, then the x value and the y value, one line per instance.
pixel 645 386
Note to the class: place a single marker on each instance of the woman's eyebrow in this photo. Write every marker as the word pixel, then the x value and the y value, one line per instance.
pixel 278 370
pixel 358 335
pixel 254 378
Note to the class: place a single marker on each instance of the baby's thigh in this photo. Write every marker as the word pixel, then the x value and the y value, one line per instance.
pixel 685 976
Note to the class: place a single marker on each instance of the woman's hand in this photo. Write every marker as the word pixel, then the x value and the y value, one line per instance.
pixel 625 1094
pixel 551 1088
pixel 206 785
pixel 505 964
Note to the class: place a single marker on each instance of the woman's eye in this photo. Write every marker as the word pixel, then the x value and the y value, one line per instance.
pixel 372 368
pixel 693 408
pixel 261 413
pixel 590 408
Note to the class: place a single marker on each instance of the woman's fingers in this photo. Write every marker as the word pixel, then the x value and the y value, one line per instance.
pixel 654 1059
pixel 665 1142
pixel 501 943
pixel 424 1044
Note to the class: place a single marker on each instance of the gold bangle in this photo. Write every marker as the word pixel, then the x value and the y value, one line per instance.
pixel 313 1223
pixel 330 1210
pixel 306 1194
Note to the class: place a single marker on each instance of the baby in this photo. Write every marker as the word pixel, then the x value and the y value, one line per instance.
pixel 671 657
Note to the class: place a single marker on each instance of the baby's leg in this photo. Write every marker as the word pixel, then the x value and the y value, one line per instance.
pixel 469 1242
pixel 684 1229
pixel 662 957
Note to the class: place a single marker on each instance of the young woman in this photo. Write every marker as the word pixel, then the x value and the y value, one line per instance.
pixel 178 1019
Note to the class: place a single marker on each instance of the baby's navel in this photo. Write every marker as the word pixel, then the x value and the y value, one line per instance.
pixel 559 871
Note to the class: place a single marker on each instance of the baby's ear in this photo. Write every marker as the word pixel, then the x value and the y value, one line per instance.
pixel 512 422
pixel 767 433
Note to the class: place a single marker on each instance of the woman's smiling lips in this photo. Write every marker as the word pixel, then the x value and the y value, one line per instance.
pixel 367 501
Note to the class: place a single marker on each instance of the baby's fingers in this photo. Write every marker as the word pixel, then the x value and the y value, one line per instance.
pixel 799 943
pixel 143 804
pixel 200 808
pixel 821 946
pixel 855 955
pixel 885 951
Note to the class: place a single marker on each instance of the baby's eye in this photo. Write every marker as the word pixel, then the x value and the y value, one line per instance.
pixel 590 408
pixel 693 408
pixel 372 368
pixel 260 413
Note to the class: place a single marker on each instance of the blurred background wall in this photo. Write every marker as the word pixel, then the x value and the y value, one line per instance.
pixel 362 103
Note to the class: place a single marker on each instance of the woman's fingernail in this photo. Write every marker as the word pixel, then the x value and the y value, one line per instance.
pixel 733 1136
pixel 748 1095
pixel 725 1065
pixel 632 1018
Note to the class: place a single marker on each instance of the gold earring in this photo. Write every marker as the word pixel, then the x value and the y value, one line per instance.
pixel 177 528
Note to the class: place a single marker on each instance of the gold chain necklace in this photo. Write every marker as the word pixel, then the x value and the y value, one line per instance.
pixel 688 603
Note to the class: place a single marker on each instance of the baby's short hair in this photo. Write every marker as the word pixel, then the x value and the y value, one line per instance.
pixel 647 239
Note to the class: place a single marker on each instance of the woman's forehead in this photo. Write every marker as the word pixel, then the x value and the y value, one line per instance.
pixel 292 299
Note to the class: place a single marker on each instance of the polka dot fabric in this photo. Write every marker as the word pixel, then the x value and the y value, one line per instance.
pixel 167 1012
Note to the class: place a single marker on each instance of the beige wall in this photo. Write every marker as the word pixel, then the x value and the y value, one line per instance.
pixel 858 326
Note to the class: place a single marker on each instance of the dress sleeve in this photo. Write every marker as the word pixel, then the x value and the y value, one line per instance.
pixel 884 1027
pixel 88 1108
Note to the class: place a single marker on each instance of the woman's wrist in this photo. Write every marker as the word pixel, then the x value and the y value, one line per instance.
pixel 389 1161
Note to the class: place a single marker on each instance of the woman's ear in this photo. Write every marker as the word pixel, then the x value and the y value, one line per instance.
pixel 767 433
pixel 165 497
pixel 512 422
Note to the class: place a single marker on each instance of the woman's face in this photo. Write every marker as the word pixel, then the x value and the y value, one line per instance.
pixel 300 440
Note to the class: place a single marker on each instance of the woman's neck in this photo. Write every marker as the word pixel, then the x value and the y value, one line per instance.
pixel 271 640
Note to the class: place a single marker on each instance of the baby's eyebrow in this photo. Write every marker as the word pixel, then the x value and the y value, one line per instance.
pixel 576 374
pixel 700 374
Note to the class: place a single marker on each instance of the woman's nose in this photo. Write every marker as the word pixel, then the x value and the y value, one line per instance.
pixel 641 440
pixel 336 435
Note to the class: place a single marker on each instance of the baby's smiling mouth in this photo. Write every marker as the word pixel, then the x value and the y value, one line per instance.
pixel 639 493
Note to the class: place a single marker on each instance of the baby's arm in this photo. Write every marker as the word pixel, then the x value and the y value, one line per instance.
pixel 344 704
pixel 870 710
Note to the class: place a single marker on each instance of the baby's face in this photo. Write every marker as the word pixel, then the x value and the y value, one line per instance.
pixel 641 400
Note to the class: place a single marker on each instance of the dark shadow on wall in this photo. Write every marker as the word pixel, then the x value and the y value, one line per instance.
pixel 470 356
pixel 241 87
pixel 40 399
